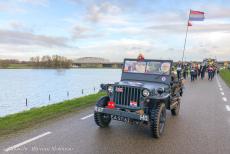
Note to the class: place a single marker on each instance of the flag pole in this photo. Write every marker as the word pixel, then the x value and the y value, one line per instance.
pixel 185 40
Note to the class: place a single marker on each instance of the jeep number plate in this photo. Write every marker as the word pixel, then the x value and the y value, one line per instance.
pixel 120 118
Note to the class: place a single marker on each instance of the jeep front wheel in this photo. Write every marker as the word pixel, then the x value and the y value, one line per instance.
pixel 157 120
pixel 102 119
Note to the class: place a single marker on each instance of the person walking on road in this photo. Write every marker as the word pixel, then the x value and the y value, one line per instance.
pixel 202 71
pixel 210 73
pixel 198 70
pixel 192 73
pixel 179 69
pixel 195 72
pixel 218 70
pixel 214 71
pixel 185 71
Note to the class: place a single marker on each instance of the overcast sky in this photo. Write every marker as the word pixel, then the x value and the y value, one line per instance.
pixel 113 29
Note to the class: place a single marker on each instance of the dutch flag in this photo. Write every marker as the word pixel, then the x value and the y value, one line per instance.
pixel 196 15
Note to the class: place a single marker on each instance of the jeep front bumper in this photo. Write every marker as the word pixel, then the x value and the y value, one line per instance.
pixel 131 115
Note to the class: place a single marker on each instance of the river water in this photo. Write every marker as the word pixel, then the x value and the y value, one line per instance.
pixel 35 85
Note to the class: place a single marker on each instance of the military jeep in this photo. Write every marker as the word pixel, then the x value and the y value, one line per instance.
pixel 147 88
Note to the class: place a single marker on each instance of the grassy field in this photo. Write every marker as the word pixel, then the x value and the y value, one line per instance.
pixel 18 66
pixel 225 74
pixel 22 120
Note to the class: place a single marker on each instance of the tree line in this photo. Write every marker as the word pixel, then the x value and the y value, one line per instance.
pixel 54 61
pixel 4 63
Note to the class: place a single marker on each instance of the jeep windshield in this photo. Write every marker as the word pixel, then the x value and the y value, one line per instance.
pixel 147 67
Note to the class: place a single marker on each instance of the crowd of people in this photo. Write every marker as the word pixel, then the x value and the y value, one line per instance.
pixel 196 70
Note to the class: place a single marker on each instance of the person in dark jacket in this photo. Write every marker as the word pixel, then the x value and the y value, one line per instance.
pixel 202 71
pixel 185 71
pixel 192 73
pixel 196 71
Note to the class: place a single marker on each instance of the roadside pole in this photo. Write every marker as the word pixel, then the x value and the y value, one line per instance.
pixel 185 40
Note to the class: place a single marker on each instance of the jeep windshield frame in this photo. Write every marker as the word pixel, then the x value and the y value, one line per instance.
pixel 155 75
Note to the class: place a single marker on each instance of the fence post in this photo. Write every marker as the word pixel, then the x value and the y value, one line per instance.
pixel 82 91
pixel 67 93
pixel 49 97
pixel 26 102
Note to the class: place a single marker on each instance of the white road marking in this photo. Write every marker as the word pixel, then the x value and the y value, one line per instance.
pixel 88 116
pixel 227 107
pixel 26 142
pixel 221 89
pixel 224 99
pixel 222 93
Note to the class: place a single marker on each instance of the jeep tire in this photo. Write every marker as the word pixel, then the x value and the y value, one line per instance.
pixel 102 119
pixel 175 111
pixel 157 120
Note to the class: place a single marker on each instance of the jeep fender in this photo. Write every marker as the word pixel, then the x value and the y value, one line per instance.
pixel 165 99
pixel 154 101
pixel 102 102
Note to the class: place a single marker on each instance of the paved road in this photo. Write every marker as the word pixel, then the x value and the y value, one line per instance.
pixel 203 127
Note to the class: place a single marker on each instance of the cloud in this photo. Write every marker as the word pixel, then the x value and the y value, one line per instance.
pixel 16 25
pixel 105 13
pixel 35 2
pixel 216 11
pixel 28 38
pixel 11 8
pixel 82 32
pixel 178 16
pixel 131 30
pixel 116 50
pixel 199 28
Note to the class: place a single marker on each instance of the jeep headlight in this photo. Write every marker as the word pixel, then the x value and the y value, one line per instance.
pixel 145 92
pixel 160 91
pixel 110 89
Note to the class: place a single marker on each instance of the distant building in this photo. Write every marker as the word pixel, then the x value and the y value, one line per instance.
pixel 95 62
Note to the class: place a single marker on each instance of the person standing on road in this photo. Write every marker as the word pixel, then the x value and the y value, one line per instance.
pixel 210 73
pixel 202 71
pixel 214 71
pixel 192 73
pixel 218 70
pixel 179 69
pixel 184 72
pixel 196 71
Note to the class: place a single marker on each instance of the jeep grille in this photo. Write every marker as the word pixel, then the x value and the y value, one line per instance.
pixel 123 95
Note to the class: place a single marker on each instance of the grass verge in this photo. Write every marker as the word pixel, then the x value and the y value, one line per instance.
pixel 225 74
pixel 12 123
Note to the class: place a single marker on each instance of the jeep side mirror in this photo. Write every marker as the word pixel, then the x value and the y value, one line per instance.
pixel 103 86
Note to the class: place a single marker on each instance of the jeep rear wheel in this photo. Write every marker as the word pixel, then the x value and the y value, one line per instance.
pixel 176 110
pixel 157 120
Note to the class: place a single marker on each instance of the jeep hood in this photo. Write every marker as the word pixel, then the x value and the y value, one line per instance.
pixel 143 84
